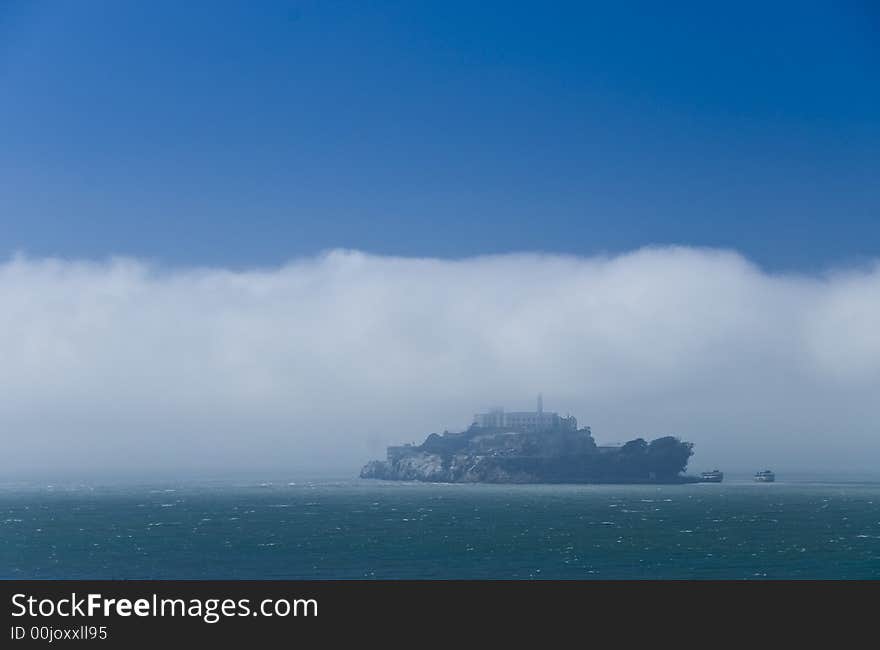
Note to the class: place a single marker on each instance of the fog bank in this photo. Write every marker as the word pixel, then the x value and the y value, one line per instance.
pixel 128 366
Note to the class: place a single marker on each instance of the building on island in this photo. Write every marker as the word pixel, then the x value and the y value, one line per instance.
pixel 539 420
pixel 398 451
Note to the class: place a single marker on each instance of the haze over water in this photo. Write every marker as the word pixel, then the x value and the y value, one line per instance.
pixel 373 530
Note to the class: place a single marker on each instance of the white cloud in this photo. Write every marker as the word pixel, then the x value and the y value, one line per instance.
pixel 124 366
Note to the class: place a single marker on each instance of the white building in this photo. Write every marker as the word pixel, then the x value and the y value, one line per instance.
pixel 524 420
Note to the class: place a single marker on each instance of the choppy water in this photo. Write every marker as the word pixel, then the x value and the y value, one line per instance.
pixel 364 529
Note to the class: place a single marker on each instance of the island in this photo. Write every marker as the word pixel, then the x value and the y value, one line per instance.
pixel 532 447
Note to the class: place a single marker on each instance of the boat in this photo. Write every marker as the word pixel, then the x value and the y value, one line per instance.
pixel 715 476
pixel 765 477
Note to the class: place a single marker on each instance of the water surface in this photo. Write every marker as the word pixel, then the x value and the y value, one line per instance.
pixel 371 529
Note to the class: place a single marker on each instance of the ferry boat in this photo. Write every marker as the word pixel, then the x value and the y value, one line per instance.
pixel 715 476
pixel 765 477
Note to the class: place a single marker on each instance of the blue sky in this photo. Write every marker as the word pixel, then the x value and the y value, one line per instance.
pixel 246 134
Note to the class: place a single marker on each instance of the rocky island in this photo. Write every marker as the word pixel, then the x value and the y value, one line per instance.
pixel 532 447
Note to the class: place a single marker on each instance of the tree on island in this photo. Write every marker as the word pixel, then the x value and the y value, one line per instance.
pixel 668 456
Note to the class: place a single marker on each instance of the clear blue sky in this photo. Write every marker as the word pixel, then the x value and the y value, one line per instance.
pixel 239 134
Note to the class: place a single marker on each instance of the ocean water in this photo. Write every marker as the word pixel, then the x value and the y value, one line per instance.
pixel 369 529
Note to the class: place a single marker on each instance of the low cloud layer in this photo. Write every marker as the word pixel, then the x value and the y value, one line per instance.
pixel 123 366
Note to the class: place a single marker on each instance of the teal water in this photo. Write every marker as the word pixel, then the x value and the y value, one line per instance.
pixel 365 529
